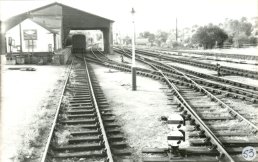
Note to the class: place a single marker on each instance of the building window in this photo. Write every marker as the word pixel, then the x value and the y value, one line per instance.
pixel 30 44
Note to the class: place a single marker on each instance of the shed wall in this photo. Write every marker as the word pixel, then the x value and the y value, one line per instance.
pixel 44 37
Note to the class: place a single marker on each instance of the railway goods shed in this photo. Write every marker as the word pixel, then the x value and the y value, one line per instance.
pixel 56 20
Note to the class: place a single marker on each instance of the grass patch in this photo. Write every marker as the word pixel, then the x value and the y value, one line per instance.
pixel 35 135
pixel 62 137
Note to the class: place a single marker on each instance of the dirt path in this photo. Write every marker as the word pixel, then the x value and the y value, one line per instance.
pixel 25 99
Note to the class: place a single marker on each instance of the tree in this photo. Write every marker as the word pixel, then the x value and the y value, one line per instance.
pixel 209 35
pixel 171 38
pixel 99 36
pixel 149 36
pixel 238 30
pixel 127 40
pixel 161 37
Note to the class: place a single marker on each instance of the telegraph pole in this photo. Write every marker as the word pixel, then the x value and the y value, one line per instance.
pixel 20 30
pixel 176 29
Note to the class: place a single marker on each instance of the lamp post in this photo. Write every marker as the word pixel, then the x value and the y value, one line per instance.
pixel 133 54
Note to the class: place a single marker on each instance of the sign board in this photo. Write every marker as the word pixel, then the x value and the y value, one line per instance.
pixel 10 40
pixel 49 47
pixel 30 34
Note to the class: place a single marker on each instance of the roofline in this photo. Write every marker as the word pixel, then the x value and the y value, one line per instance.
pixel 22 16
pixel 27 12
pixel 42 7
pixel 56 3
pixel 84 12
pixel 43 26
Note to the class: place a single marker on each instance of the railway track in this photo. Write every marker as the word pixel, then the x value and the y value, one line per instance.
pixel 230 89
pixel 240 58
pixel 213 128
pixel 212 83
pixel 224 69
pixel 210 133
pixel 226 91
pixel 216 89
pixel 222 91
pixel 84 127
pixel 213 132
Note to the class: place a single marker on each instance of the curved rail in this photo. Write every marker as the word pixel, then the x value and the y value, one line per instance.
pixel 209 76
pixel 215 140
pixel 218 100
pixel 208 93
pixel 247 73
pixel 238 90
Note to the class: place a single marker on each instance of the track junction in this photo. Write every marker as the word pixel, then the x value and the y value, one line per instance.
pixel 210 120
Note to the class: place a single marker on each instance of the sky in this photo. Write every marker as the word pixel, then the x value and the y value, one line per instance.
pixel 150 15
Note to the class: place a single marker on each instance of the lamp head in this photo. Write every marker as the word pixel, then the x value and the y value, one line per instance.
pixel 133 11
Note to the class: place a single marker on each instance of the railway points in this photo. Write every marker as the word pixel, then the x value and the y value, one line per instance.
pixel 218 117
pixel 227 70
pixel 189 105
pixel 201 134
pixel 214 59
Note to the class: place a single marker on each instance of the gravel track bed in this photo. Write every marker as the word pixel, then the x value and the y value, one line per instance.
pixel 138 112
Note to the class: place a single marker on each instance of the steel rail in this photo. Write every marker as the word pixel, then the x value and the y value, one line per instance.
pixel 103 55
pixel 207 92
pixel 141 59
pixel 246 91
pixel 215 140
pixel 210 54
pixel 239 88
pixel 214 97
pixel 106 143
pixel 108 63
pixel 95 55
pixel 211 76
pixel 44 155
pixel 189 75
pixel 218 78
pixel 207 57
pixel 228 81
pixel 225 55
pixel 243 90
pixel 196 63
pixel 221 102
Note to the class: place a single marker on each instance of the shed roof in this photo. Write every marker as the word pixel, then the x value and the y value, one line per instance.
pixel 50 16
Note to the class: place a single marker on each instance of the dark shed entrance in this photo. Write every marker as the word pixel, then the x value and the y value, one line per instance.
pixel 79 20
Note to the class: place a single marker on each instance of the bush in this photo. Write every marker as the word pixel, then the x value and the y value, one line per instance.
pixel 208 36
pixel 253 40
pixel 177 44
